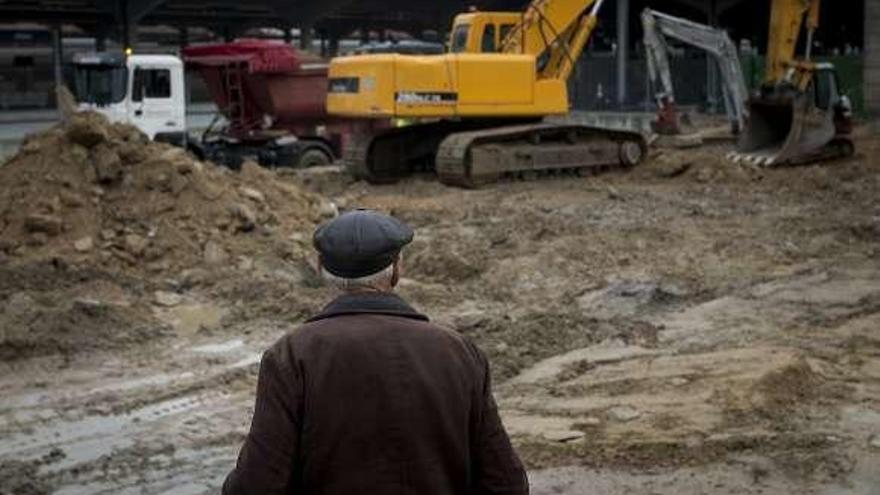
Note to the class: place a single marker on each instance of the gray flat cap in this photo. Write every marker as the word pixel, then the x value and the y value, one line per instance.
pixel 360 243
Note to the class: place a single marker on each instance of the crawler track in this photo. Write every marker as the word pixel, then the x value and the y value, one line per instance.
pixel 474 153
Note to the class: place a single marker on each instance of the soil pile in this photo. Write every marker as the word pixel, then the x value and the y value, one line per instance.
pixel 99 194
pixel 97 223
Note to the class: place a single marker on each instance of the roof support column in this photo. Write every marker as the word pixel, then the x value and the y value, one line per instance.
pixel 305 37
pixel 622 48
pixel 872 59
pixel 57 58
pixel 711 65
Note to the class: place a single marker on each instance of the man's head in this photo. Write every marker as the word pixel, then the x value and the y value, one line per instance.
pixel 361 250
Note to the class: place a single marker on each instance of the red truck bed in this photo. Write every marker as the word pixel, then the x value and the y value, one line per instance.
pixel 265 88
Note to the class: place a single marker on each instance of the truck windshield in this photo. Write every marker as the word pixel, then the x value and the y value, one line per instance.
pixel 100 84
pixel 460 38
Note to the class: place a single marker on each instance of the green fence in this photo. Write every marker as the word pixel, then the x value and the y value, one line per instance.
pixel 849 72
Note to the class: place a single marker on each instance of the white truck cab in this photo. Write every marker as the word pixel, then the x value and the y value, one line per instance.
pixel 144 90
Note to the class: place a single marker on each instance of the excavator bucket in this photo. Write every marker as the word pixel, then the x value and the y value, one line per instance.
pixel 785 130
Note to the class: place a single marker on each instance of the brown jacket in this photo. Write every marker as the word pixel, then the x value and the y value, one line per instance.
pixel 370 398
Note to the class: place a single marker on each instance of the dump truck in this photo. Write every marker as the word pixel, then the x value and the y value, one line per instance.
pixel 271 98
pixel 478 111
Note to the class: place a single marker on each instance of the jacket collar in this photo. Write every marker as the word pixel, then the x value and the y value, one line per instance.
pixel 385 303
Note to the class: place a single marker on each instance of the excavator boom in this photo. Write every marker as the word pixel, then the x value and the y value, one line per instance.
pixel 715 42
pixel 556 30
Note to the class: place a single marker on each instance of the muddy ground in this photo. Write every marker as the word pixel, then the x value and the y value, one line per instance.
pixel 689 326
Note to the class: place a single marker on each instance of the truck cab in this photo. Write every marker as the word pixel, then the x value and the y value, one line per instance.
pixel 144 90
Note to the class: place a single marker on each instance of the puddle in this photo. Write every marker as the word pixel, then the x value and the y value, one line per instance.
pixel 219 348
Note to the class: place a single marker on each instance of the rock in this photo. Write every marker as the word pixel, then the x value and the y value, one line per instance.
pixel 187 167
pixel 167 299
pixel 173 155
pixel 192 277
pixel 591 421
pixel 470 320
pixel 674 169
pixel 87 129
pixel 31 146
pixel 79 154
pixel 71 199
pixel 246 216
pixel 623 413
pixel 214 254
pixel 679 381
pixel 135 244
pixel 37 239
pixel 563 435
pixel 252 193
pixel 328 209
pixel 89 306
pixel 84 244
pixel 108 166
pixel 874 442
pixel 678 141
pixel 131 153
pixel 108 234
pixel 245 263
pixel 624 298
pixel 705 174
pixel 47 224
pixel 613 193
pixel 8 245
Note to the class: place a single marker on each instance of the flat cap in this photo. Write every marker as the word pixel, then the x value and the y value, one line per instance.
pixel 360 243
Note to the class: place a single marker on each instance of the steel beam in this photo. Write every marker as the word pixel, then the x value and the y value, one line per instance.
pixel 872 58
pixel 622 48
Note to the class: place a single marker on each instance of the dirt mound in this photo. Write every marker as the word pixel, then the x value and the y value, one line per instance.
pixel 50 309
pixel 785 390
pixel 95 193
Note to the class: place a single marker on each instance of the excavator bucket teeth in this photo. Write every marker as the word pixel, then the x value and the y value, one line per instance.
pixel 786 130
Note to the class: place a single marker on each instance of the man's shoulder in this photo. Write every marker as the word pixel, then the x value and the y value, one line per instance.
pixel 351 325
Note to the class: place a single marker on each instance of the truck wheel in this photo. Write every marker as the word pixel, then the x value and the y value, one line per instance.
pixel 313 158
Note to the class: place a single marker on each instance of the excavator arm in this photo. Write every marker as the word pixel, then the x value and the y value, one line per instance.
pixel 554 31
pixel 798 115
pixel 716 42
pixel 786 22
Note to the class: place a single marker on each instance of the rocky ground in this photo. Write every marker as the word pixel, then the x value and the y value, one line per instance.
pixel 690 326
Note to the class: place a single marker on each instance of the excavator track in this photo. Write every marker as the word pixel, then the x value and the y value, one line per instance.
pixel 398 152
pixel 473 153
pixel 475 158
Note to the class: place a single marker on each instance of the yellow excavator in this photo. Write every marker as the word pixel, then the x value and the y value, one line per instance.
pixel 479 109
pixel 798 115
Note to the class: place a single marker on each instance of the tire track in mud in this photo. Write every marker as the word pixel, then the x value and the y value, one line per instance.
pixel 163 425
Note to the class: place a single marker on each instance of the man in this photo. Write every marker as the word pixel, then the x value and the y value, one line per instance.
pixel 368 397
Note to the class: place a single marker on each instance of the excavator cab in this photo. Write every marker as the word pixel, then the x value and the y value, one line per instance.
pixel 790 126
pixel 481 32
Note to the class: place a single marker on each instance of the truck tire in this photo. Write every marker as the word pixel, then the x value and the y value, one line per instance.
pixel 313 157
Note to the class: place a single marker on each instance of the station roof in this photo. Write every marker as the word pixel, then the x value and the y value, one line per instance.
pixel 331 13
pixel 744 18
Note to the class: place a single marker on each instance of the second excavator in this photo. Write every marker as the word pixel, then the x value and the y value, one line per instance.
pixel 480 108
pixel 798 114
